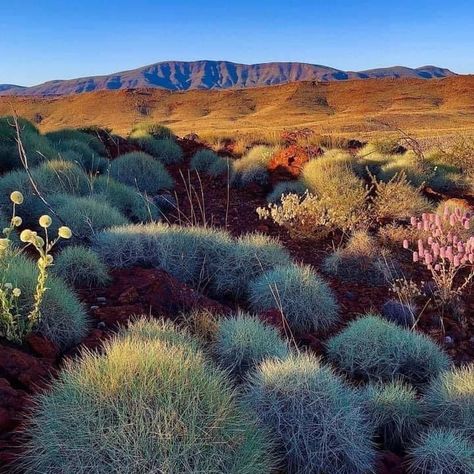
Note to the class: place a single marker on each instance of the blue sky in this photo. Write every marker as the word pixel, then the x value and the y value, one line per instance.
pixel 51 39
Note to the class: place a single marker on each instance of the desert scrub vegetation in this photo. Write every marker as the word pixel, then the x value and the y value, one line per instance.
pixel 304 298
pixel 203 160
pixel 252 167
pixel 170 410
pixel 286 187
pixel 142 172
pixel 165 150
pixel 154 130
pixel 61 137
pixel 396 413
pixel 243 341
pixel 81 267
pixel 83 155
pixel 441 451
pixel 313 415
pixel 449 401
pixel 134 205
pixel 395 353
pixel 360 260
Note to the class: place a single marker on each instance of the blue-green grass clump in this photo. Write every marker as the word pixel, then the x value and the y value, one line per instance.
pixel 154 130
pixel 60 137
pixel 63 317
pixel 142 172
pixel 81 267
pixel 203 160
pixel 146 404
pixel 83 155
pixel 286 187
pixel 315 417
pixel 441 451
pixel 305 299
pixel 394 352
pixel 395 412
pixel 449 400
pixel 166 150
pixel 243 341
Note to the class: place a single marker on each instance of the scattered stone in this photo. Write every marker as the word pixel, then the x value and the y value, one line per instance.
pixel 287 163
pixel 94 307
pixel 129 296
pixel 448 340
pixel 101 299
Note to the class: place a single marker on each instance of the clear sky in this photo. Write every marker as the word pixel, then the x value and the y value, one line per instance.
pixel 60 39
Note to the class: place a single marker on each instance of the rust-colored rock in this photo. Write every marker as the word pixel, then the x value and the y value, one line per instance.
pixel 129 296
pixel 43 346
pixel 288 163
pixel 390 463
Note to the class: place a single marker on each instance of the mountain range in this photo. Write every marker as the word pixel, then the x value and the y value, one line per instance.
pixel 182 76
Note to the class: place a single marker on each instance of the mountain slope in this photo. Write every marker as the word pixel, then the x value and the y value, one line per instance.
pixel 180 76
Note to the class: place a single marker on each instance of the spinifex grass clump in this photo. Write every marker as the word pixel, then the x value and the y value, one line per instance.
pixel 441 451
pixel 315 417
pixel 22 312
pixel 243 341
pixel 449 400
pixel 304 298
pixel 203 160
pixel 395 353
pixel 447 251
pixel 395 412
pixel 151 402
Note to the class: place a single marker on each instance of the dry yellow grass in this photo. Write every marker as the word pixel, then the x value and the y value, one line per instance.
pixel 427 108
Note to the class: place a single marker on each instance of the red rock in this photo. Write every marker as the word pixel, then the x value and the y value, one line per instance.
pixel 288 163
pixel 313 342
pixel 28 370
pixel 273 317
pixel 129 296
pixel 43 346
pixel 389 463
pixel 118 315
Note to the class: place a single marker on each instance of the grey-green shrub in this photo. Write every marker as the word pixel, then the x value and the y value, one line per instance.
pixel 59 137
pixel 286 187
pixel 394 352
pixel 166 150
pixel 441 451
pixel 87 216
pixel 133 204
pixel 63 318
pixel 243 259
pixel 155 130
pixel 314 416
pixel 252 167
pixel 83 155
pixel 142 172
pixel 203 160
pixel 243 341
pixel 306 300
pixel 449 400
pixel 81 267
pixel 395 412
pixel 146 404
pixel 223 166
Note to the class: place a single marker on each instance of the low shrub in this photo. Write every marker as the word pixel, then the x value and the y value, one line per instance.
pixel 395 412
pixel 155 130
pixel 258 176
pixel 314 416
pixel 305 299
pixel 81 267
pixel 63 318
pixel 83 155
pixel 388 146
pixel 394 352
pixel 243 259
pixel 243 341
pixel 60 137
pixel 449 400
pixel 402 314
pixel 417 170
pixel 286 187
pixel 134 205
pixel 223 166
pixel 88 216
pixel 203 160
pixel 257 157
pixel 441 451
pixel 141 171
pixel 146 404
pixel 166 150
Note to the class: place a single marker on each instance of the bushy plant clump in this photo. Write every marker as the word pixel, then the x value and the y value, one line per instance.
pixel 449 400
pixel 133 204
pixel 63 318
pixel 83 155
pixel 150 403
pixel 394 352
pixel 155 130
pixel 166 150
pixel 66 135
pixel 81 267
pixel 252 167
pixel 360 260
pixel 417 170
pixel 395 412
pixel 203 160
pixel 142 172
pixel 441 451
pixel 243 259
pixel 305 299
pixel 286 187
pixel 243 341
pixel 223 166
pixel 88 216
pixel 315 417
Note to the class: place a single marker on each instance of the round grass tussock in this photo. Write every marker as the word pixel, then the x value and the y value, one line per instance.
pixel 155 130
pixel 223 166
pixel 83 155
pixel 305 299
pixel 145 405
pixel 314 416
pixel 449 400
pixel 142 172
pixel 441 451
pixel 243 341
pixel 203 160
pixel 394 352
pixel 286 187
pixel 244 259
pixel 167 151
pixel 395 412
pixel 81 267
pixel 59 137
pixel 63 317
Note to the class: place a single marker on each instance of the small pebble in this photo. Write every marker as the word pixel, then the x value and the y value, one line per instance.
pixel 94 307
pixel 101 325
pixel 448 340
pixel 101 299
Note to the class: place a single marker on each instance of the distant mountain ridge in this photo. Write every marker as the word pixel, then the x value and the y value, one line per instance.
pixel 181 76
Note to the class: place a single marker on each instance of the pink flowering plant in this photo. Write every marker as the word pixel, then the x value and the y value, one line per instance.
pixel 447 251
